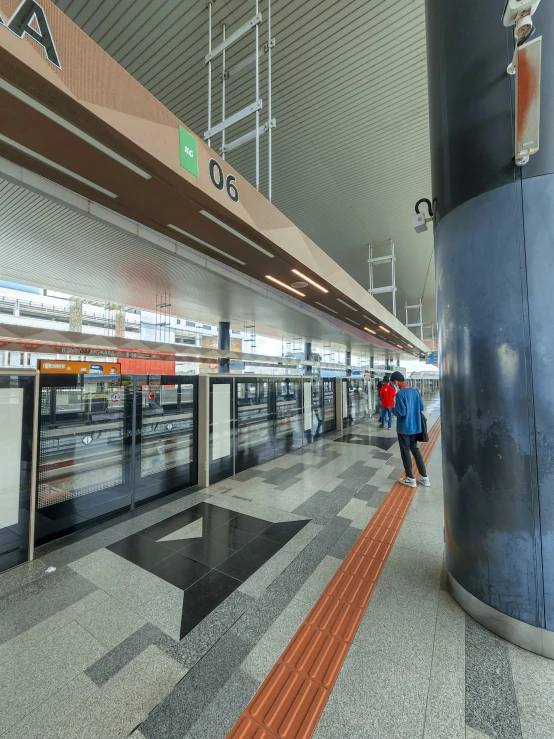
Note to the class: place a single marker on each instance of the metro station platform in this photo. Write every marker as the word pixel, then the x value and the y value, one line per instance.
pixel 277 603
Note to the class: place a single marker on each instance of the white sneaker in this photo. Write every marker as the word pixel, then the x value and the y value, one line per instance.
pixel 409 481
pixel 424 481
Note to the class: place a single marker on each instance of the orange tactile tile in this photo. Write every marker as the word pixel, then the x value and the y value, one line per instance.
pixel 365 567
pixel 246 728
pixel 289 703
pixel 387 536
pixel 351 589
pixel 336 617
pixel 371 548
pixel 316 654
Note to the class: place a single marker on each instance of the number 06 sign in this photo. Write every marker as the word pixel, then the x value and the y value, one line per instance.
pixel 219 181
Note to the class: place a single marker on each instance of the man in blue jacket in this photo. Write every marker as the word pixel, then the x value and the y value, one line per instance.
pixel 407 409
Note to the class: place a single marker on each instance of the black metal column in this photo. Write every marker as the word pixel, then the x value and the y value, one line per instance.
pixel 224 343
pixel 494 266
pixel 307 357
pixel 347 360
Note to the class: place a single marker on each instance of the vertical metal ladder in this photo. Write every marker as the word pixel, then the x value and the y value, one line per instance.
pixel 228 74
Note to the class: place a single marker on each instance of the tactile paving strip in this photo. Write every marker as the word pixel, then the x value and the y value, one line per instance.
pixel 290 701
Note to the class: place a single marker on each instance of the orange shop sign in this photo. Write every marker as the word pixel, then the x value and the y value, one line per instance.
pixel 54 367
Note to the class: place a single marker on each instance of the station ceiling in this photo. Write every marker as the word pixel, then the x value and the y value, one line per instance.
pixel 351 147
pixel 39 236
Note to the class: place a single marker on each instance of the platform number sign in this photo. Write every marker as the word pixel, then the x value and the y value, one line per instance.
pixel 219 181
pixel 188 151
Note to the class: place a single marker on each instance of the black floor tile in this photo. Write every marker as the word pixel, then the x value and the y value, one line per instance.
pixel 232 537
pixel 201 598
pixel 158 530
pixel 383 442
pixel 249 523
pixel 140 551
pixel 247 560
pixel 281 533
pixel 180 571
pixel 212 515
pixel 208 552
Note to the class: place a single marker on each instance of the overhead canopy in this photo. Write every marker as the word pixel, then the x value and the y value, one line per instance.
pixel 92 128
pixel 351 147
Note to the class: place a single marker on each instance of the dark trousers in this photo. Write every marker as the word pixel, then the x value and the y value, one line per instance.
pixel 408 446
pixel 386 417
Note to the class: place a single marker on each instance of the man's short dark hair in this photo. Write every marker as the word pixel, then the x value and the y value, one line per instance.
pixel 397 377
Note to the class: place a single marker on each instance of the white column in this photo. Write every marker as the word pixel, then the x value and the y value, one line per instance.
pixel 203 430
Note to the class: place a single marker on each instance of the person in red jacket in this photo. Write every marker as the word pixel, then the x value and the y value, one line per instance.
pixel 387 393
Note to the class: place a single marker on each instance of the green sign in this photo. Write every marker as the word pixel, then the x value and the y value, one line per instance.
pixel 188 151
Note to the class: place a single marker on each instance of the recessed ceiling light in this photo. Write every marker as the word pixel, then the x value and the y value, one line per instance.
pixel 282 284
pixel 411 346
pixel 32 103
pixel 299 285
pixel 340 300
pixel 205 243
pixel 386 330
pixel 351 321
pixel 312 282
pixel 236 233
pixel 400 346
pixel 370 331
pixel 55 165
pixel 370 319
pixel 326 307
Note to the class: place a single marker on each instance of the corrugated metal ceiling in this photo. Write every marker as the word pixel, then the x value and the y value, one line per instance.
pixel 112 264
pixel 351 148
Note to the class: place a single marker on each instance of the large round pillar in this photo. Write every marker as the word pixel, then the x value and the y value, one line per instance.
pixel 494 250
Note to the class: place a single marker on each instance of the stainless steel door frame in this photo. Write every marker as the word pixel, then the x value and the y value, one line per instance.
pixel 28 372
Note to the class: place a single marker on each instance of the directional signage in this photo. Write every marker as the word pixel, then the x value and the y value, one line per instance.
pixel 188 151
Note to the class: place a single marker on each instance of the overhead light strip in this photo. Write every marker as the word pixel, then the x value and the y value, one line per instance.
pixel 205 243
pixel 55 165
pixel 309 279
pixel 351 321
pixel 386 330
pixel 370 319
pixel 283 284
pixel 340 300
pixel 326 307
pixel 369 330
pixel 32 103
pixel 236 233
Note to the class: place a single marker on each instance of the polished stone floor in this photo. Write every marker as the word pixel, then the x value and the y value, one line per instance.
pixel 164 623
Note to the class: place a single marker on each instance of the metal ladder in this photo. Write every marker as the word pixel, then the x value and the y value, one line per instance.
pixel 228 73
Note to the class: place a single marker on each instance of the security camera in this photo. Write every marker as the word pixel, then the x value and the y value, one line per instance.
pixel 419 223
pixel 515 7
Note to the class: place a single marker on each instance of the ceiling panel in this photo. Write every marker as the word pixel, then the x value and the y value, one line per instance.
pixel 70 251
pixel 351 148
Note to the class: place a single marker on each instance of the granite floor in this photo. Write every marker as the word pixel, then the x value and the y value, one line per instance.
pixel 164 623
